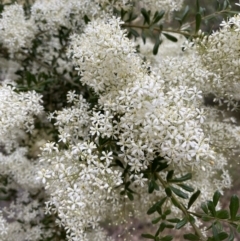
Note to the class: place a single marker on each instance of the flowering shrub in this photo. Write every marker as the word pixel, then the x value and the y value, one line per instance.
pixel 101 125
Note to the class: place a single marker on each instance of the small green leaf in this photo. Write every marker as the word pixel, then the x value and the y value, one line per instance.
pixel 182 179
pixel 145 15
pixel 156 206
pixel 216 197
pixel 162 166
pixel 134 32
pixel 175 203
pixel 151 186
pixel 234 205
pixel 186 187
pixel 156 46
pixel 198 19
pixel 148 236
pixel 211 208
pixel 222 235
pixel 167 238
pixel 204 208
pixel 170 175
pixel 156 220
pixel 179 193
pixel 173 220
pixel 130 196
pixel 168 191
pixel 222 214
pixel 170 37
pixel 180 224
pixel 190 236
pixel 158 16
pixel 193 198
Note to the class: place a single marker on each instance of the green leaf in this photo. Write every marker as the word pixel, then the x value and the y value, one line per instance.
pixel 158 16
pixel 170 175
pixel 184 16
pixel 179 193
pixel 156 205
pixel 234 205
pixel 180 224
pixel 148 236
pixel 186 187
pixel 211 208
pixel 145 15
pixel 167 238
pixel 198 19
pixel 151 186
pixel 175 203
pixel 156 46
pixel 182 179
pixel 170 37
pixel 156 220
pixel 168 191
pixel 222 214
pixel 134 32
pixel 204 208
pixel 215 233
pixel 222 235
pixel 173 220
pixel 193 198
pixel 162 166
pixel 130 196
pixel 190 236
pixel 216 197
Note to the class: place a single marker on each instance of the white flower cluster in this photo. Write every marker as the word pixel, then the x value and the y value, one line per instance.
pixel 73 123
pixel 16 31
pixel 219 54
pixel 16 114
pixel 165 5
pixel 81 184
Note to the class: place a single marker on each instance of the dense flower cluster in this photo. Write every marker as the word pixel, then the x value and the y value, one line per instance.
pixel 17 111
pixel 16 31
pixel 112 120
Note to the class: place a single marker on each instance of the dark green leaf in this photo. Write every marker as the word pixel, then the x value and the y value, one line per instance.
pixel 169 226
pixel 182 179
pixel 156 220
pixel 234 205
pixel 206 218
pixel 148 236
pixel 198 6
pixel 222 214
pixel 222 235
pixel 167 212
pixel 190 236
pixel 193 198
pixel 134 32
pixel 167 238
pixel 179 193
pixel 186 187
pixel 204 208
pixel 211 208
pixel 180 224
pixel 160 229
pixel 158 16
pixel 173 220
pixel 198 22
pixel 151 186
pixel 145 15
pixel 175 203
pixel 162 166
pixel 156 205
pixel 170 175
pixel 130 196
pixel 168 191
pixel 170 37
pixel 216 197
pixel 156 46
